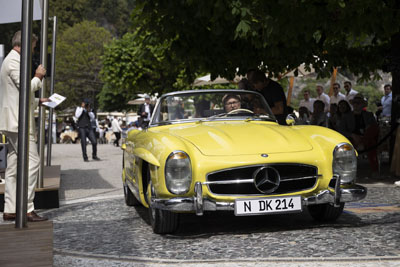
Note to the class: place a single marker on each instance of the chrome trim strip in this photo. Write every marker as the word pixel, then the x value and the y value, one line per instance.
pixel 340 145
pixel 243 195
pixel 246 181
pixel 198 199
pixel 238 181
pixel 302 178
pixel 337 191
pixel 165 171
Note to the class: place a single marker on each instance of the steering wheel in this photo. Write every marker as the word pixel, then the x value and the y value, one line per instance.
pixel 240 110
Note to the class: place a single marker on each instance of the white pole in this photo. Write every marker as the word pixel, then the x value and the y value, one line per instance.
pixel 42 111
pixel 1 54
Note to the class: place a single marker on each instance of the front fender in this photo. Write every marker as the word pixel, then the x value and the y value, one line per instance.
pixel 327 139
pixel 146 155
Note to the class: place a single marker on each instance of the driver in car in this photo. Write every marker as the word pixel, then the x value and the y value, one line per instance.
pixel 231 102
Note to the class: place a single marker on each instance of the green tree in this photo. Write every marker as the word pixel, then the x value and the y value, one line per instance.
pixel 229 36
pixel 132 66
pixel 110 14
pixel 78 62
pixel 221 36
pixel 68 12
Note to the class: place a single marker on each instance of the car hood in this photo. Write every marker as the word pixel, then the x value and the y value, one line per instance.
pixel 241 138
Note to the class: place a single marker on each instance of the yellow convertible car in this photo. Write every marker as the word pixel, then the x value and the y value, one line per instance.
pixel 212 150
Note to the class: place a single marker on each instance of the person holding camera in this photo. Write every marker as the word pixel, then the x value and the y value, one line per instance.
pixel 84 116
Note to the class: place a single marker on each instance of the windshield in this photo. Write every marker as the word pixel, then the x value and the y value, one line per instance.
pixel 211 105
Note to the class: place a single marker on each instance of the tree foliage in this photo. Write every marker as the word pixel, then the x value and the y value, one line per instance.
pixel 220 36
pixel 78 62
pixel 110 14
pixel 132 65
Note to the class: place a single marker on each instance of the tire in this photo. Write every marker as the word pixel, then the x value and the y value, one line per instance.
pixel 325 212
pixel 162 221
pixel 130 199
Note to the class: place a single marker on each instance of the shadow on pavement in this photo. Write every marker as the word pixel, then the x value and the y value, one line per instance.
pixel 225 222
pixel 74 179
pixel 365 176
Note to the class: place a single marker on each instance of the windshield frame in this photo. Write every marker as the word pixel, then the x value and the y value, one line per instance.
pixel 269 117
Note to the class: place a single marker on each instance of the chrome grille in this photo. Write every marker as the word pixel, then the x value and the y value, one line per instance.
pixel 239 181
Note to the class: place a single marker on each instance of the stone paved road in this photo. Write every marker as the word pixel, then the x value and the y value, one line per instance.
pixel 95 228
pixel 119 232
pixel 94 179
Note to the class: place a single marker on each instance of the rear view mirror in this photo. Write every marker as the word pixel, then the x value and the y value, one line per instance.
pixel 290 120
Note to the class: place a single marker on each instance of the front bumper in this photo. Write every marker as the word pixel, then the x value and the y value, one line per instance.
pixel 198 204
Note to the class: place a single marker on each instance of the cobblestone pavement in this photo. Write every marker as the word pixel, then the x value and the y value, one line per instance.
pixel 111 230
pixel 94 227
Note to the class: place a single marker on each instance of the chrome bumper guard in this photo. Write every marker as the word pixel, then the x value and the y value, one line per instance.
pixel 198 204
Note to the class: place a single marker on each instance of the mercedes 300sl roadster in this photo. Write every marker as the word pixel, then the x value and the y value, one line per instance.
pixel 212 150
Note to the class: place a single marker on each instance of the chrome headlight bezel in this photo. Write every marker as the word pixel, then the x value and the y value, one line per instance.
pixel 344 163
pixel 178 172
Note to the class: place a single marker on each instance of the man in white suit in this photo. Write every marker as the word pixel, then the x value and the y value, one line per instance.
pixel 9 109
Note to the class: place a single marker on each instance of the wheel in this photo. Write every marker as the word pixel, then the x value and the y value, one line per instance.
pixel 162 221
pixel 240 110
pixel 130 199
pixel 325 212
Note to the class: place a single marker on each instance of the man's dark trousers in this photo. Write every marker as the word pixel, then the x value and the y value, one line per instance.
pixel 88 132
pixel 117 137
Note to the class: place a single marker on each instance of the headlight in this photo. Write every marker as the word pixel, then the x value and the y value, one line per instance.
pixel 178 172
pixel 345 162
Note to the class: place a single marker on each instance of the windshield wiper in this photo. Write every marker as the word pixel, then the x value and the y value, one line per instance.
pixel 217 116
pixel 261 116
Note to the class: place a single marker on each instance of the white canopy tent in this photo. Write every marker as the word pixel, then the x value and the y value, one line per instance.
pixel 1 54
pixel 140 100
pixel 301 71
pixel 206 80
pixel 10 11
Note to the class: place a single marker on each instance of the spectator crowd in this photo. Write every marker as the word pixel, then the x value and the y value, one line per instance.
pixel 112 129
pixel 347 114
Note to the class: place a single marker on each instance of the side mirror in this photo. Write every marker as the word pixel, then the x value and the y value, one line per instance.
pixel 290 120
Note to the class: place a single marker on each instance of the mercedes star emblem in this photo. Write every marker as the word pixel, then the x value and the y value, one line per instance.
pixel 266 179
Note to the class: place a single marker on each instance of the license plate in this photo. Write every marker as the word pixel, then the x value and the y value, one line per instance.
pixel 267 205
